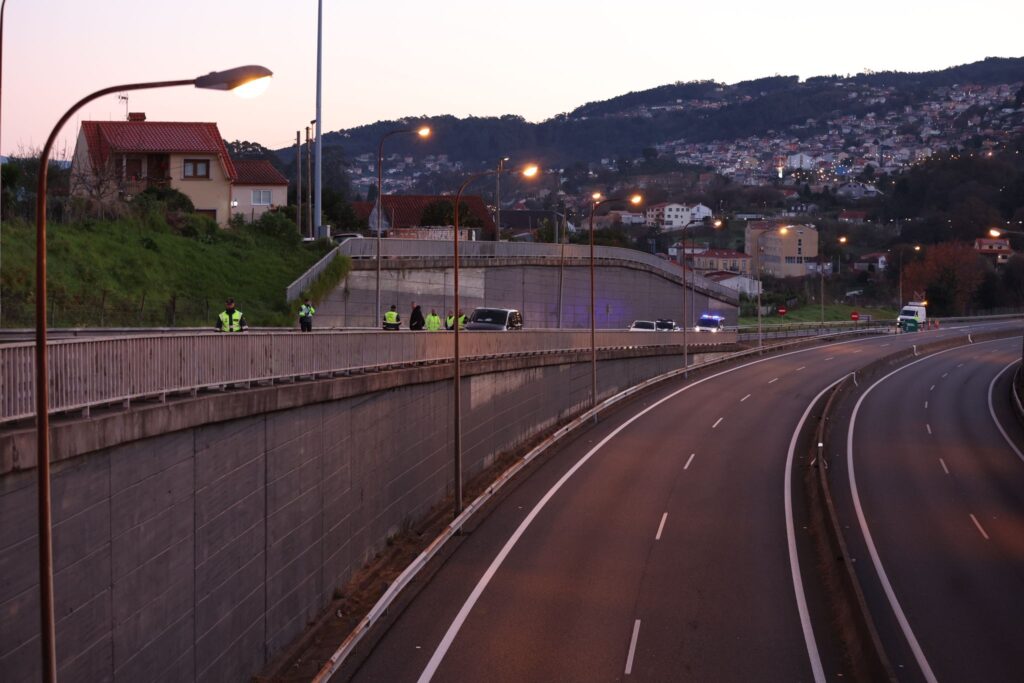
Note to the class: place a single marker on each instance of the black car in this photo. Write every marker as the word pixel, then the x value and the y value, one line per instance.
pixel 500 319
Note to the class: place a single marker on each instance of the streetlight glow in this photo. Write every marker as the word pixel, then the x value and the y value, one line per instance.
pixel 636 199
pixel 842 240
pixel 596 196
pixel 531 170
pixel 233 79
pixel 424 132
pixel 995 232
pixel 254 88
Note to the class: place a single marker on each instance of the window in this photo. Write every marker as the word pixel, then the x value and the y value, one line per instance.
pixel 261 197
pixel 197 168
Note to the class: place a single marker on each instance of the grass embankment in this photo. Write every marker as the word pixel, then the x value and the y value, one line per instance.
pixel 812 314
pixel 146 271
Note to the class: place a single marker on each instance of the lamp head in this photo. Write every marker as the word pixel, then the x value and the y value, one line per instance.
pixel 842 240
pixel 530 171
pixel 636 199
pixel 248 81
pixel 424 132
pixel 995 232
pixel 596 196
pixel 784 229
pixel 718 224
pixel 917 247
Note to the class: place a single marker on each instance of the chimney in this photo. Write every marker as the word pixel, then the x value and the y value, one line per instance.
pixel 137 116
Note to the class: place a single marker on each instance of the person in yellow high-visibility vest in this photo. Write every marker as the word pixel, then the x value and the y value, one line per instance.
pixel 449 322
pixel 392 321
pixel 433 321
pixel 462 320
pixel 231 319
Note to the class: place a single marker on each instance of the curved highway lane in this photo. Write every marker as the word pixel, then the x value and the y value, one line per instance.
pixel 653 546
pixel 939 534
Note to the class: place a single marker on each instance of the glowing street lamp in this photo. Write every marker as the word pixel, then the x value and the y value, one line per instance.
pixel 597 200
pixel 232 79
pixel 784 230
pixel 528 171
pixel 423 132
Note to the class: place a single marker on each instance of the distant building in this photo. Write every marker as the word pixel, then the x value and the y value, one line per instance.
pixel 997 250
pixel 876 261
pixel 406 211
pixel 738 283
pixel 793 254
pixel 848 216
pixel 723 260
pixel 258 188
pixel 670 216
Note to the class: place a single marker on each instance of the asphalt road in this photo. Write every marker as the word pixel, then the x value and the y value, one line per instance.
pixel 942 499
pixel 653 546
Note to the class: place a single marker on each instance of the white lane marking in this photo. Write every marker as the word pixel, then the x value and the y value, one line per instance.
pixel 945 375
pixel 745 398
pixel 890 594
pixel 857 350
pixel 802 367
pixel 943 463
pixel 688 461
pixel 794 560
pixel 453 629
pixel 978 524
pixel 929 428
pixel 632 647
pixel 884 345
pixel 926 405
pixel 661 527
pixel 830 358
pixel 961 365
pixel 773 381
pixel 932 389
pixel 717 422
pixel 992 412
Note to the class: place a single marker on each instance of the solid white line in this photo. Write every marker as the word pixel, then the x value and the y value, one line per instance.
pixel 869 541
pixel 802 367
pixel 688 461
pixel 978 524
pixel 943 463
pixel 717 422
pixel 794 560
pixel 745 398
pixel 773 381
pixel 926 405
pixel 945 375
pixel 929 427
pixel 661 527
pixel 992 412
pixel 488 575
pixel 632 647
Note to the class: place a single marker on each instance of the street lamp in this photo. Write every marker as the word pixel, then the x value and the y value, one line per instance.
pixel 598 200
pixel 999 232
pixel 423 132
pixel 757 268
pixel 917 247
pixel 842 242
pixel 693 299
pixel 529 171
pixel 232 79
pixel 497 197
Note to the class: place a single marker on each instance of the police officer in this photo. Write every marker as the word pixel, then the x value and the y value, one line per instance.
pixel 231 319
pixel 306 313
pixel 391 319
pixel 462 320
pixel 449 322
pixel 433 321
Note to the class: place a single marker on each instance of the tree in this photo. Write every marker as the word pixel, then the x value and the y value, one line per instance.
pixel 950 273
pixel 442 212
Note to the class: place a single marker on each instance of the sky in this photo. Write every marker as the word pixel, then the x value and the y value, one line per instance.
pixel 391 59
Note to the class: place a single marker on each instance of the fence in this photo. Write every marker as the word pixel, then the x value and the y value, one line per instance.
pixel 400 248
pixel 305 280
pixel 98 371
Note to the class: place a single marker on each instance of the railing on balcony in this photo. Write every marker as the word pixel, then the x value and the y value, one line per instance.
pixel 134 185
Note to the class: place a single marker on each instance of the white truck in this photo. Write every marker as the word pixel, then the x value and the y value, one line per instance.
pixel 914 311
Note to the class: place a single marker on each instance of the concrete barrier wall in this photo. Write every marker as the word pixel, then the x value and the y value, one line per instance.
pixel 622 295
pixel 200 553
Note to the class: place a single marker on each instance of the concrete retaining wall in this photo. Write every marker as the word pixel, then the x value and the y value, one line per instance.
pixel 205 535
pixel 622 295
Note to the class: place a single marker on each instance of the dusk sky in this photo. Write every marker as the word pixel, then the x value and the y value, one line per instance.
pixel 404 58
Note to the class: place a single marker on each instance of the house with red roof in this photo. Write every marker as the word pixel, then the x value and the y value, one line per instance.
pixel 119 159
pixel 405 212
pixel 258 187
pixel 998 249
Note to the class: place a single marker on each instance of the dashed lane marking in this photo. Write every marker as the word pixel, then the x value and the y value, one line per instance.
pixel 632 647
pixel 688 461
pixel 978 524
pixel 661 527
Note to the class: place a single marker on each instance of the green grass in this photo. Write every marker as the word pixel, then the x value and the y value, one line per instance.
pixel 812 314
pixel 144 272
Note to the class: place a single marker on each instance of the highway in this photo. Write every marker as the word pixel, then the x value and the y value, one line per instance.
pixel 655 545
pixel 940 491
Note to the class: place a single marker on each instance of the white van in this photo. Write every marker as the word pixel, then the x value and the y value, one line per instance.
pixel 914 310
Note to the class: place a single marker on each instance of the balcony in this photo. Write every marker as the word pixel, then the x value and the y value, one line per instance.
pixel 133 186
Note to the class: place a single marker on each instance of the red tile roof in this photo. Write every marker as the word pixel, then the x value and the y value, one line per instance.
pixel 724 253
pixel 406 210
pixel 155 137
pixel 257 172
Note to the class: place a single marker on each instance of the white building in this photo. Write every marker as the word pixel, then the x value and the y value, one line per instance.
pixel 669 216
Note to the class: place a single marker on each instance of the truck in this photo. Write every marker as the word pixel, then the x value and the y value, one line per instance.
pixel 913 316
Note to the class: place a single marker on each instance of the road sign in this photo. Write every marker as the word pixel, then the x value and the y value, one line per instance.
pixel 855 316
pixel 781 310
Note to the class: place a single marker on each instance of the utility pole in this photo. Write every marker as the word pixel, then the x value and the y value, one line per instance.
pixel 497 198
pixel 309 182
pixel 318 208
pixel 298 181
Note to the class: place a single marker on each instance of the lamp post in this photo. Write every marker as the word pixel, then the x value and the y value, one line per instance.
pixel 899 304
pixel 497 198
pixel 999 232
pixel 232 79
pixel 635 200
pixel 842 243
pixel 423 132
pixel 529 171
pixel 757 254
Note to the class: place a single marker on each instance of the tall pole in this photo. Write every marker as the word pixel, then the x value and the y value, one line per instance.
pixel 298 181
pixel 380 212
pixel 309 182
pixel 757 269
pixel 497 198
pixel 593 321
pixel 899 303
pixel 317 181
pixel 686 320
pixel 3 6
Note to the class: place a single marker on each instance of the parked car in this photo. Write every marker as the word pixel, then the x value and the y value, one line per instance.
pixel 710 323
pixel 340 237
pixel 501 319
pixel 666 325
pixel 643 326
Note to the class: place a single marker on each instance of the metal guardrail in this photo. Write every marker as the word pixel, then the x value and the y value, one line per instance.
pixel 99 371
pixel 400 248
pixel 304 281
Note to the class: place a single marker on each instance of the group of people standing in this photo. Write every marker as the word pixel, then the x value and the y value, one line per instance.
pixel 417 321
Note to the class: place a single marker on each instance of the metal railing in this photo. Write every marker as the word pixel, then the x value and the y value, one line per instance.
pixel 401 248
pixel 100 371
pixel 304 281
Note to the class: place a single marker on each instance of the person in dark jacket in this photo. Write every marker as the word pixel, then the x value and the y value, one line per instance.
pixel 416 320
